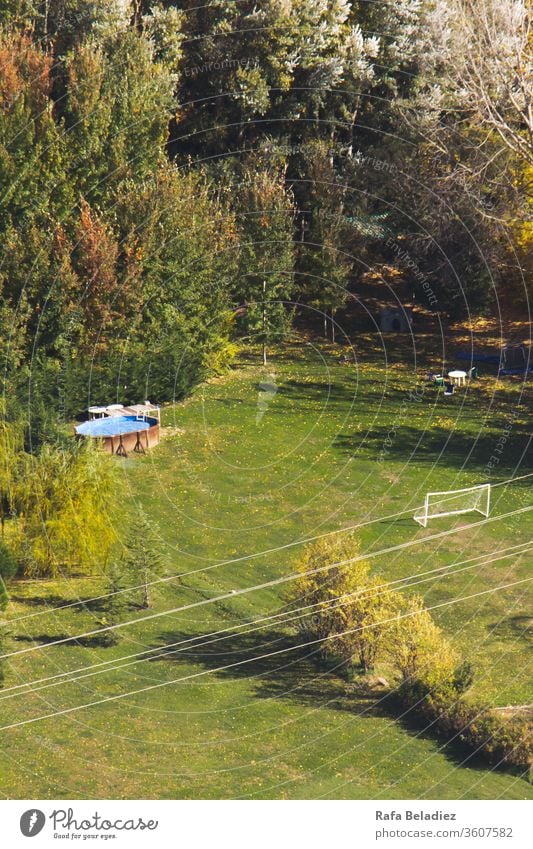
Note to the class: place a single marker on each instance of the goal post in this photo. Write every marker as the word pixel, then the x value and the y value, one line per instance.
pixel 453 502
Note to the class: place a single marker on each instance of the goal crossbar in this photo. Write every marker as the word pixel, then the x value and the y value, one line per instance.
pixel 435 503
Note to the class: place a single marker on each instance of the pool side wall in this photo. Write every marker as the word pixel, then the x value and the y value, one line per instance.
pixel 147 438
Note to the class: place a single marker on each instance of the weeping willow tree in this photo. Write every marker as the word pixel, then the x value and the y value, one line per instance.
pixel 63 500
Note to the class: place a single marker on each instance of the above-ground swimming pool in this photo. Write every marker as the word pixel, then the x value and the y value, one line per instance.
pixel 120 434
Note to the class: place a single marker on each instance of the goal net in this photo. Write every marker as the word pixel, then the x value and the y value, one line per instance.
pixel 454 501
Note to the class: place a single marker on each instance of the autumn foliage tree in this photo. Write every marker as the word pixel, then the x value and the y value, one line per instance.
pixel 343 605
pixel 359 618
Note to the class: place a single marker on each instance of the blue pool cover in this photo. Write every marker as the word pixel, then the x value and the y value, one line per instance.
pixel 114 426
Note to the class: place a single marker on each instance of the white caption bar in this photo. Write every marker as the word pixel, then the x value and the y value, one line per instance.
pixel 267 824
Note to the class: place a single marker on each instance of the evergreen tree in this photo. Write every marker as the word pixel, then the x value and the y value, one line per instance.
pixel 143 560
pixel 324 263
pixel 265 218
pixel 115 604
pixel 11 445
pixel 8 569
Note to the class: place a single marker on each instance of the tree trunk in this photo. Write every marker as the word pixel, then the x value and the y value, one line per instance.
pixel 264 324
pixel 146 596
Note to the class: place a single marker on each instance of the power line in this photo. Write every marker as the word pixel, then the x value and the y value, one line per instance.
pixel 252 659
pixel 397 718
pixel 405 713
pixel 274 582
pixel 253 556
pixel 512 480
pixel 447 570
pixel 201 640
pixel 180 575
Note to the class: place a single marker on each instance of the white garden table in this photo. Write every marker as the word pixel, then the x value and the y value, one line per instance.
pixel 458 377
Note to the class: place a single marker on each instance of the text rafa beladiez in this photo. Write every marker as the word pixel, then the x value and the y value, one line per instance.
pixel 414 815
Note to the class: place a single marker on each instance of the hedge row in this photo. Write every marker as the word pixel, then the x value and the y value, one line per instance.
pixel 499 739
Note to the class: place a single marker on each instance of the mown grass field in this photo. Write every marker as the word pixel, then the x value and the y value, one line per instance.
pixel 237 473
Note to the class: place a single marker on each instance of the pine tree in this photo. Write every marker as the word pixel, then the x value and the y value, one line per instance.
pixel 11 445
pixel 116 602
pixel 143 560
pixel 265 218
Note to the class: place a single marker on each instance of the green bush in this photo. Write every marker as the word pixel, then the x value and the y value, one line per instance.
pixel 463 677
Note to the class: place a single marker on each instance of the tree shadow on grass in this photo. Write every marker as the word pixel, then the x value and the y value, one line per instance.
pixel 454 448
pixel 41 600
pixel 272 662
pixel 230 402
pixel 455 751
pixel 514 627
pixel 279 669
pixel 56 602
pixel 94 641
pixel 319 391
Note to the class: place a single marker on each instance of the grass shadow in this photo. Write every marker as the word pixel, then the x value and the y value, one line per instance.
pixel 514 627
pixel 454 448
pixel 94 641
pixel 280 670
pixel 41 600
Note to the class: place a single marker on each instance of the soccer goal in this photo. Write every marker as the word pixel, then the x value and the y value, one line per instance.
pixel 454 501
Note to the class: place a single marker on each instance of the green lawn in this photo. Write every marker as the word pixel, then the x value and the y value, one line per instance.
pixel 238 474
